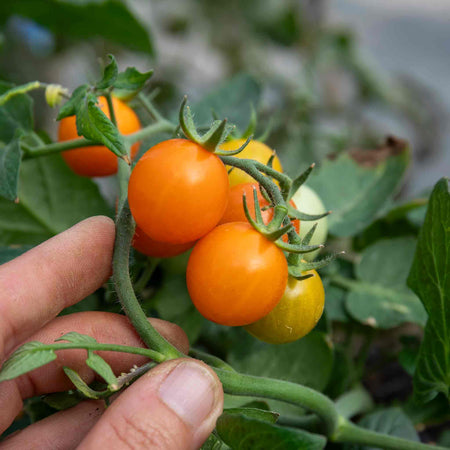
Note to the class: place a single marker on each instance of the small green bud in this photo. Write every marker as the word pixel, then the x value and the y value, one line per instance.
pixel 54 94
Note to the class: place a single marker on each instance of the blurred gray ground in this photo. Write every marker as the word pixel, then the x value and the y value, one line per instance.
pixel 409 37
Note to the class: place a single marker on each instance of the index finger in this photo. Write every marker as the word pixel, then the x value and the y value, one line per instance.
pixel 60 272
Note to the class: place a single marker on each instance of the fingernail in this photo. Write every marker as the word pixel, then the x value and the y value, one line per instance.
pixel 190 391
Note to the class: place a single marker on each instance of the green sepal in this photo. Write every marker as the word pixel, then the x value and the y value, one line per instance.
pixel 307 239
pixel 277 234
pixel 304 266
pixel 297 248
pixel 233 152
pixel 210 140
pixel 292 270
pixel 298 181
pixel 296 214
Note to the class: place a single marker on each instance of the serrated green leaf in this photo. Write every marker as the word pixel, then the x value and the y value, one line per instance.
pixel 51 199
pixel 307 361
pixel 356 190
pixel 76 338
pixel 71 107
pixel 429 278
pixel 100 366
pixel 110 73
pixel 241 432
pixel 24 359
pixel 93 124
pixel 80 384
pixel 87 19
pixel 379 296
pixel 130 82
pixel 10 158
pixel 391 421
pixel 15 115
pixel 17 90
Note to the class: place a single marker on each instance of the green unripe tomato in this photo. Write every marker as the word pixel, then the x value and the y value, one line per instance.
pixel 309 202
pixel 295 315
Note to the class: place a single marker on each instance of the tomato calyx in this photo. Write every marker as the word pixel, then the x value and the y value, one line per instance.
pixel 212 138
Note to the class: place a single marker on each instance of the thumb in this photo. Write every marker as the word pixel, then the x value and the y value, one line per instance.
pixel 174 406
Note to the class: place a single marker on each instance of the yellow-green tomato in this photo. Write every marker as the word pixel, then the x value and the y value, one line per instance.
pixel 295 315
pixel 254 150
pixel 309 202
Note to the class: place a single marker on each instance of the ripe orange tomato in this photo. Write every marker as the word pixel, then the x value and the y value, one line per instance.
pixel 255 150
pixel 296 314
pixel 178 191
pixel 235 208
pixel 146 245
pixel 98 161
pixel 236 276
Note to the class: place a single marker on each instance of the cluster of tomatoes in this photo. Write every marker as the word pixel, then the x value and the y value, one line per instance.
pixel 181 197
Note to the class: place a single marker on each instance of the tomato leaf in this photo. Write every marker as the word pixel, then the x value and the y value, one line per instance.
pixel 93 124
pixel 379 296
pixel 16 114
pixel 356 185
pixel 17 90
pixel 110 73
pixel 51 199
pixel 100 366
pixel 241 431
pixel 307 361
pixel 70 108
pixel 9 253
pixel 10 158
pixel 88 19
pixel 26 358
pixel 391 421
pixel 76 338
pixel 214 443
pixel 130 82
pixel 430 280
pixel 232 100
pixel 254 413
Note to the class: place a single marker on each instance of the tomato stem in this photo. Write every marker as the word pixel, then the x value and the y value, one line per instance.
pixel 296 394
pixel 121 273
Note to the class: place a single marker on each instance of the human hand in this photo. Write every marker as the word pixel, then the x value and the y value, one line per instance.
pixel 174 406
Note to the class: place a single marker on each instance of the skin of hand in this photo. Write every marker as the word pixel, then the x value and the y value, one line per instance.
pixel 173 406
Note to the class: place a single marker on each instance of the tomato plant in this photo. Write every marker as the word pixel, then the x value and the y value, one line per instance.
pixel 98 161
pixel 295 315
pixel 255 150
pixel 235 276
pixel 178 191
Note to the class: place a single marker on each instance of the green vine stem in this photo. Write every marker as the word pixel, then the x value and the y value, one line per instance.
pixel 349 432
pixel 240 384
pixel 96 346
pixel 57 147
pixel 121 273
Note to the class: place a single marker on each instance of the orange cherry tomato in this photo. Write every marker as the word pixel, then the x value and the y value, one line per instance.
pixel 146 245
pixel 236 276
pixel 254 150
pixel 98 161
pixel 235 208
pixel 295 315
pixel 178 191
